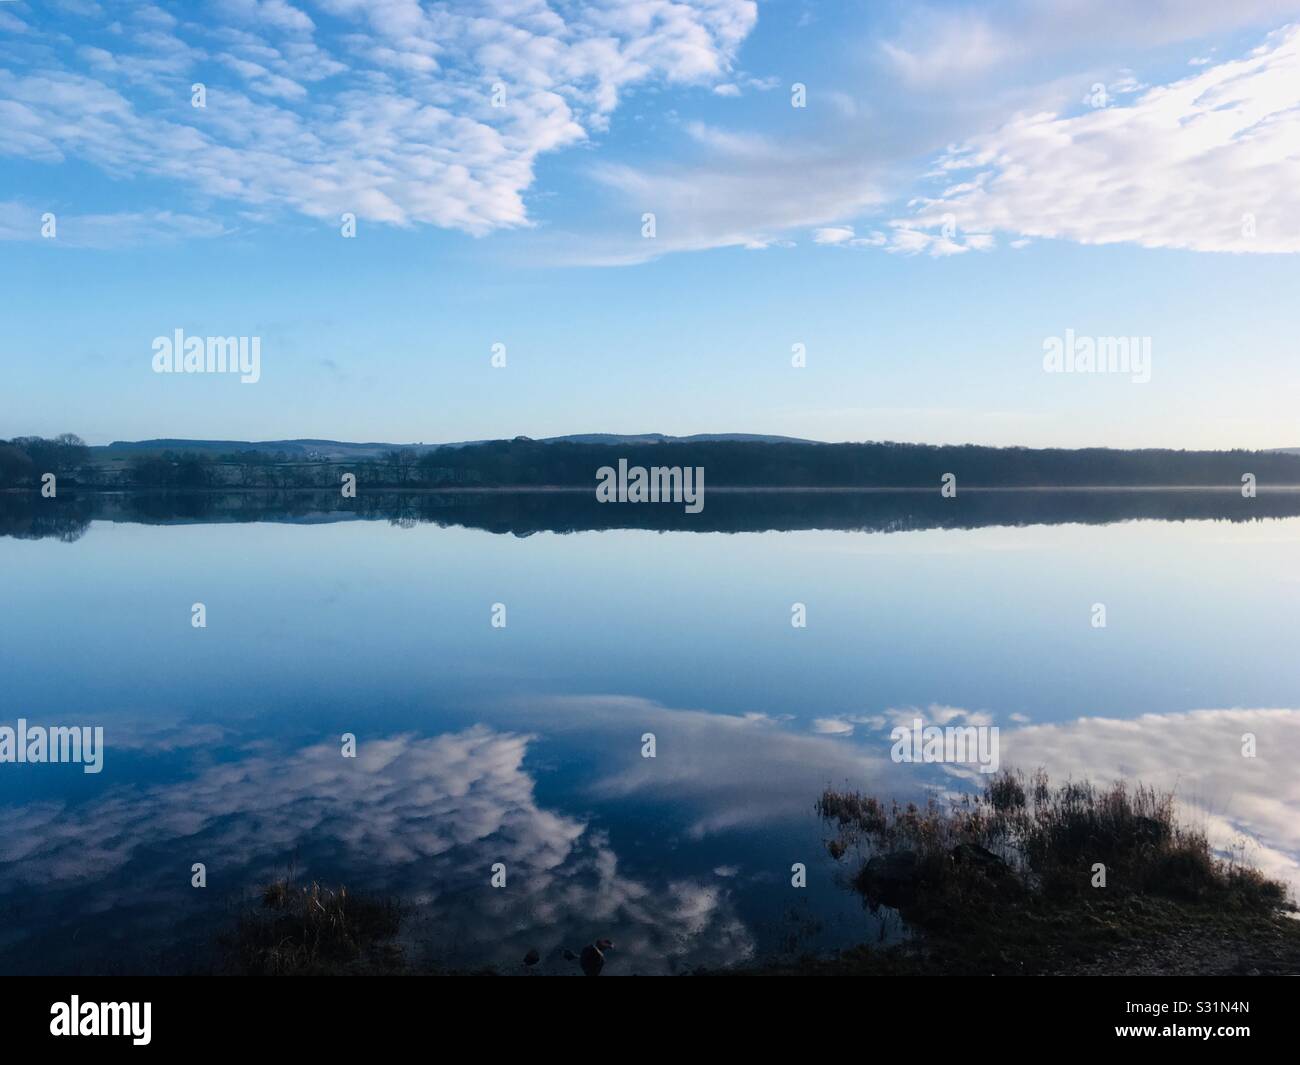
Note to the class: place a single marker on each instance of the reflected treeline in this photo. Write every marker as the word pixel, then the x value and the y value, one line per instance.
pixel 26 515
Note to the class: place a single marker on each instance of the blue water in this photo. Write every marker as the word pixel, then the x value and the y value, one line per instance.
pixel 523 744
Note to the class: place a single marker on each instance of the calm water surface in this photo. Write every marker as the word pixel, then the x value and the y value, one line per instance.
pixel 522 744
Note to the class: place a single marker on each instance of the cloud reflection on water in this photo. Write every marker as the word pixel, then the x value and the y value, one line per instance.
pixel 424 817
pixel 421 817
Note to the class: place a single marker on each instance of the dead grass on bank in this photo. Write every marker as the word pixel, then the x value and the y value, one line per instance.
pixel 304 930
pixel 1030 836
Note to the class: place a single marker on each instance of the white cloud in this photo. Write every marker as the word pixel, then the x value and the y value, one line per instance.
pixel 1208 163
pixel 904 238
pixel 275 13
pixel 391 120
pixel 951 46
pixel 23 221
pixel 842 160
pixel 833 235
pixel 844 236
pixel 935 714
pixel 942 48
pixel 751 192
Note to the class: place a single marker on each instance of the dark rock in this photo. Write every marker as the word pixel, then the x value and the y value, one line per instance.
pixel 981 858
pixel 592 958
pixel 891 878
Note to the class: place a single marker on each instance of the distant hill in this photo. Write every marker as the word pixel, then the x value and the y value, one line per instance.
pixel 294 449
pixel 660 438
pixel 343 450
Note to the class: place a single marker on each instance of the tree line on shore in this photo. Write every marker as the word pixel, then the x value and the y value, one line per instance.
pixel 524 462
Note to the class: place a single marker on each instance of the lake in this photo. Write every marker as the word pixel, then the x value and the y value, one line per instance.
pixel 521 743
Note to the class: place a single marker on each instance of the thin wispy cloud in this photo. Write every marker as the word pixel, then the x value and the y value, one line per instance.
pixel 1209 163
pixel 940 47
pixel 24 221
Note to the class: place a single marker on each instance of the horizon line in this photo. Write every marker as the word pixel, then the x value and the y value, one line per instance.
pixel 617 438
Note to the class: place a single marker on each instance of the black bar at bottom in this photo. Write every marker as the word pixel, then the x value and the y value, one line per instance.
pixel 1223 1015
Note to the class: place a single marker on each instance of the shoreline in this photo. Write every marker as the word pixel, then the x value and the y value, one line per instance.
pixel 724 489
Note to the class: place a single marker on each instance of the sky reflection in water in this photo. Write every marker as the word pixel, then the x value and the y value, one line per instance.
pixel 522 745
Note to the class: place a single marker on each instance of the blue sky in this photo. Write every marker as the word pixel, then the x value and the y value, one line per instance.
pixel 964 183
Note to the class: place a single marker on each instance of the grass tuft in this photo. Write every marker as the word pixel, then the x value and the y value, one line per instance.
pixel 313 930
pixel 1007 880
pixel 1049 838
